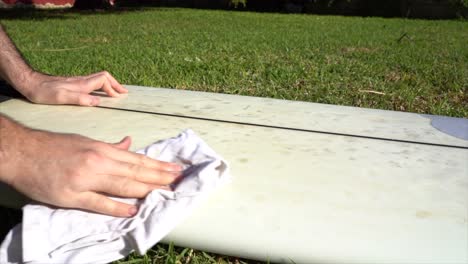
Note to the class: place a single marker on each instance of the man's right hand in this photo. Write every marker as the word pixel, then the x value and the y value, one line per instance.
pixel 73 171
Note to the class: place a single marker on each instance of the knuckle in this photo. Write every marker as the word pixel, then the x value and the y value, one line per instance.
pixel 92 157
pixel 135 171
pixel 57 197
pixel 143 160
pixel 108 206
pixel 82 82
pixel 106 73
pixel 81 202
pixel 98 146
pixel 74 177
pixel 94 203
pixel 83 100
pixel 76 182
pixel 123 187
pixel 59 95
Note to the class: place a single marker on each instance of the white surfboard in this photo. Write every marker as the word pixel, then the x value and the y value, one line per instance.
pixel 311 182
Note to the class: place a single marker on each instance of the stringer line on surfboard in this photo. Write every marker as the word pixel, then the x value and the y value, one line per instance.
pixel 286 128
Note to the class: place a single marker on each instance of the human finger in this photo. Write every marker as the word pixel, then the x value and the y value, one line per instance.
pixel 123 144
pixel 119 154
pixel 64 96
pixel 100 82
pixel 114 83
pixel 122 186
pixel 95 83
pixel 101 204
pixel 141 173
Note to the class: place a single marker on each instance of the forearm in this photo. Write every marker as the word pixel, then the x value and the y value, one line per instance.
pixel 11 135
pixel 13 68
pixel 41 88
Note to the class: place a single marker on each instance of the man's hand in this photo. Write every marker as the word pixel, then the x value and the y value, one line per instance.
pixel 44 89
pixel 74 171
pixel 70 170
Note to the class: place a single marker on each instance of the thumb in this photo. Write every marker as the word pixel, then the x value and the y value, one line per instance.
pixel 124 144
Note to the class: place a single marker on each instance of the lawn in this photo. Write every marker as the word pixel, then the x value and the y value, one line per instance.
pixel 395 64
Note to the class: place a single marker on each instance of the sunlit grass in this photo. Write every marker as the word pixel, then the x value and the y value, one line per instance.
pixel 394 64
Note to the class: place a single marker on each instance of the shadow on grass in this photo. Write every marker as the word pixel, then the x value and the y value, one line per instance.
pixel 30 14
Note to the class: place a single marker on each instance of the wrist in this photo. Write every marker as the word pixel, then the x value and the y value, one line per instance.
pixel 26 82
pixel 11 135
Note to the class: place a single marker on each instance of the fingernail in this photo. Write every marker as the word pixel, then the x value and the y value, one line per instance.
pixel 132 211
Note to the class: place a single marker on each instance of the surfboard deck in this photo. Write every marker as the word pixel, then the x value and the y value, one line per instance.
pixel 297 195
pixel 302 116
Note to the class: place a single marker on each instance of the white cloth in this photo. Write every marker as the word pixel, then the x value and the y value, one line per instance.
pixel 50 235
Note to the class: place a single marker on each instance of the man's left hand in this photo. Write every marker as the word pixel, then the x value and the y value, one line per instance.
pixel 46 89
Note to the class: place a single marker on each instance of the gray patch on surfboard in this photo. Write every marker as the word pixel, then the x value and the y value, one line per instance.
pixel 456 127
pixel 4 98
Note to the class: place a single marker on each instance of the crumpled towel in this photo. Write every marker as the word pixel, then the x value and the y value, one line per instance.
pixel 50 235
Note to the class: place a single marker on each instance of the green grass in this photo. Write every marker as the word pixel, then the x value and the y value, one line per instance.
pixel 169 254
pixel 413 65
pixel 394 64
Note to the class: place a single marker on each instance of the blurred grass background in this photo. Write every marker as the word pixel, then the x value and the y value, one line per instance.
pixel 395 64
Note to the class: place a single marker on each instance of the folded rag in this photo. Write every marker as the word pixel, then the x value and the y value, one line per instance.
pixel 50 235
